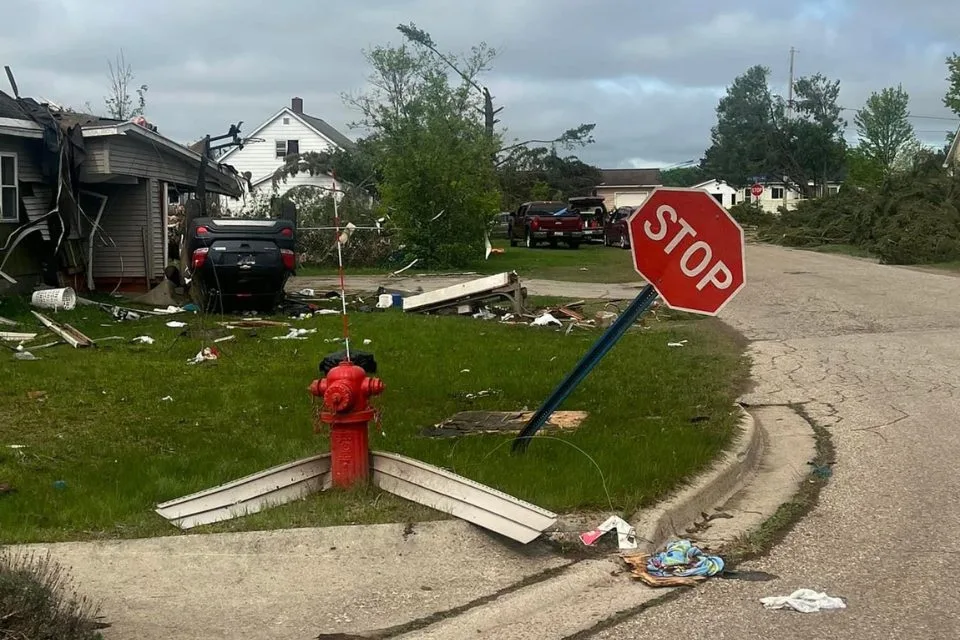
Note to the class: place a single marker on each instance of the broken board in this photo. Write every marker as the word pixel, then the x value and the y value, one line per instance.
pixel 468 423
pixel 502 285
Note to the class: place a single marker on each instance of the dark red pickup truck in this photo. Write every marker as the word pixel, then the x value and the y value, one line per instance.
pixel 552 222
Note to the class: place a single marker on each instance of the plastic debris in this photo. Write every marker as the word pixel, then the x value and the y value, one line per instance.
pixel 804 601
pixel 166 399
pixel 682 343
pixel 367 341
pixel 60 485
pixel 296 334
pixel 464 370
pixel 207 353
pixel 626 534
pixel 143 340
pixel 176 324
pixel 25 355
pixel 545 320
pixel 484 314
pixel 682 559
pixel 226 338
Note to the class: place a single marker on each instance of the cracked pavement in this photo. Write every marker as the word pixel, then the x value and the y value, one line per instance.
pixel 870 352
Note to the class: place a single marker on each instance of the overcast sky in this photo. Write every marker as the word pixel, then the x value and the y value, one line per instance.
pixel 649 74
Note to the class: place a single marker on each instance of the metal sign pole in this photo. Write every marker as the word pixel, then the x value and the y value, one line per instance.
pixel 590 360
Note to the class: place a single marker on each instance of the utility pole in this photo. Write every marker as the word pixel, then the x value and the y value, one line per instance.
pixel 790 87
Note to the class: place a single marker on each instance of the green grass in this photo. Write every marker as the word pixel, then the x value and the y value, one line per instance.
pixel 102 447
pixel 589 263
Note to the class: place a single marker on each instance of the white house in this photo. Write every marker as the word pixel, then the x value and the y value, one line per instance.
pixel 288 131
pixel 722 192
pixel 780 194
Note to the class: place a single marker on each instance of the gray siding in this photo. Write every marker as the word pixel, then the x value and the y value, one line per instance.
pixel 26 150
pixel 38 205
pixel 126 214
pixel 147 160
pixel 98 157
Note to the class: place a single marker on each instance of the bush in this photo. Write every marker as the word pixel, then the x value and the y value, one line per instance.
pixel 37 603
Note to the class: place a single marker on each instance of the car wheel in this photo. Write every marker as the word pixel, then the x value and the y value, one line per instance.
pixel 513 239
pixel 529 240
pixel 574 244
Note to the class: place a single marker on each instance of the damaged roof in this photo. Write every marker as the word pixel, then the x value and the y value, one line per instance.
pixel 630 177
pixel 9 108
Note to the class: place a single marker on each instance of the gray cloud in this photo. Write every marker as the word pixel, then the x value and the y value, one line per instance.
pixel 648 74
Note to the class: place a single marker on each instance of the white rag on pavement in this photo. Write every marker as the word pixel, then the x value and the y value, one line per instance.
pixel 804 601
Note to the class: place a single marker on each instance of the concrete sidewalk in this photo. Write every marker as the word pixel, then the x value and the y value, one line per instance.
pixel 298 583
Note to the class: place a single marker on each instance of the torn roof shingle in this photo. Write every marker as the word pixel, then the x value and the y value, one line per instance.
pixel 9 108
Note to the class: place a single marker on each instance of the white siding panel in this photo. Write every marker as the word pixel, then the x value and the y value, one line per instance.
pixel 260 158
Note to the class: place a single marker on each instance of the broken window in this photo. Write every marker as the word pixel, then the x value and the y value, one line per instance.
pixel 9 198
pixel 293 146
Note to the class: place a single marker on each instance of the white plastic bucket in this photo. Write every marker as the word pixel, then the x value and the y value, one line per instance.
pixel 55 299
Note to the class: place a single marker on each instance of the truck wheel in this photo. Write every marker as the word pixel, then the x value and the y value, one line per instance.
pixel 574 244
pixel 531 243
pixel 553 243
pixel 513 239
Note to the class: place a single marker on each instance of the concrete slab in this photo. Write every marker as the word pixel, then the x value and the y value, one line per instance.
pixel 294 584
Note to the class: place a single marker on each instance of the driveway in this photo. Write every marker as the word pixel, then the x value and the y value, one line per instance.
pixel 871 352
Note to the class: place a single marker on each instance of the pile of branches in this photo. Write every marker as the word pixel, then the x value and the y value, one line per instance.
pixel 910 218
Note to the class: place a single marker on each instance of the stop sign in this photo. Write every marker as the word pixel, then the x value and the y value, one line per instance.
pixel 756 190
pixel 689 248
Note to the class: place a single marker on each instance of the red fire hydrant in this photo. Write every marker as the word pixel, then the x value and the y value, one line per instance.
pixel 346 390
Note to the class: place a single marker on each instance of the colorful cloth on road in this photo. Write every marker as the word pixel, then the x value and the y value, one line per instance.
pixel 682 559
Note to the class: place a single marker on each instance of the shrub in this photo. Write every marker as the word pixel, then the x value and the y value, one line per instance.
pixel 37 602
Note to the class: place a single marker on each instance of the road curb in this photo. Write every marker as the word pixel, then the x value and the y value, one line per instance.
pixel 711 489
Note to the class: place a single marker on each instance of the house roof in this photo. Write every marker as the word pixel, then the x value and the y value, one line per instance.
pixel 630 177
pixel 9 108
pixel 319 125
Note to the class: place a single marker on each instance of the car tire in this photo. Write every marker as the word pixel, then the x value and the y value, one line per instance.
pixel 574 244
pixel 513 239
pixel 530 242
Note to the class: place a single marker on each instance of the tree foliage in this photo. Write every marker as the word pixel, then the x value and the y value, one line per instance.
pixel 683 176
pixel 952 98
pixel 119 102
pixel 883 125
pixel 539 173
pixel 432 152
pixel 756 136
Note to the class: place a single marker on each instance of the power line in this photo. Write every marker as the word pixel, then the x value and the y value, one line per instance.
pixel 912 115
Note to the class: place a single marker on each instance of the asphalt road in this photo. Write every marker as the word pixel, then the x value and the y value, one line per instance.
pixel 871 352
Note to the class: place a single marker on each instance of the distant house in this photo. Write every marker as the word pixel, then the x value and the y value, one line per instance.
pixel 84 200
pixel 778 194
pixel 626 187
pixel 287 132
pixel 726 195
pixel 953 154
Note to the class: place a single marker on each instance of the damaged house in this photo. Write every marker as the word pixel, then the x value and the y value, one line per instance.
pixel 84 200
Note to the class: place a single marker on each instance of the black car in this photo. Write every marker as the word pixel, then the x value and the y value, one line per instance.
pixel 240 263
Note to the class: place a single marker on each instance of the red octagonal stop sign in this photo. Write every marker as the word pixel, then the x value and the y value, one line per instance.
pixel 690 248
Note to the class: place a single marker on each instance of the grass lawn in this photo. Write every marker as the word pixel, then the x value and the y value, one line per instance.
pixel 589 263
pixel 102 445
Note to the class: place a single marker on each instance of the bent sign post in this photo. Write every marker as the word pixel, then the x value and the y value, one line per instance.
pixel 690 251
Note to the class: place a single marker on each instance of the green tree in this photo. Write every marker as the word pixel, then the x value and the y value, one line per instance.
pixel 540 173
pixel 952 99
pixel 812 146
pixel 683 176
pixel 120 104
pixel 742 141
pixel 884 127
pixel 433 153
pixel 863 170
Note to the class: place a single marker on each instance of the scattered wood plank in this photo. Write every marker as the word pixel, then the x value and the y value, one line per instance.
pixel 253 324
pixel 503 422
pixel 570 313
pixel 7 322
pixel 65 332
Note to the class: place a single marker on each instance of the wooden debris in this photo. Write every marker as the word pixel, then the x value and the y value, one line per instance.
pixel 65 332
pixel 8 322
pixel 570 313
pixel 12 336
pixel 474 422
